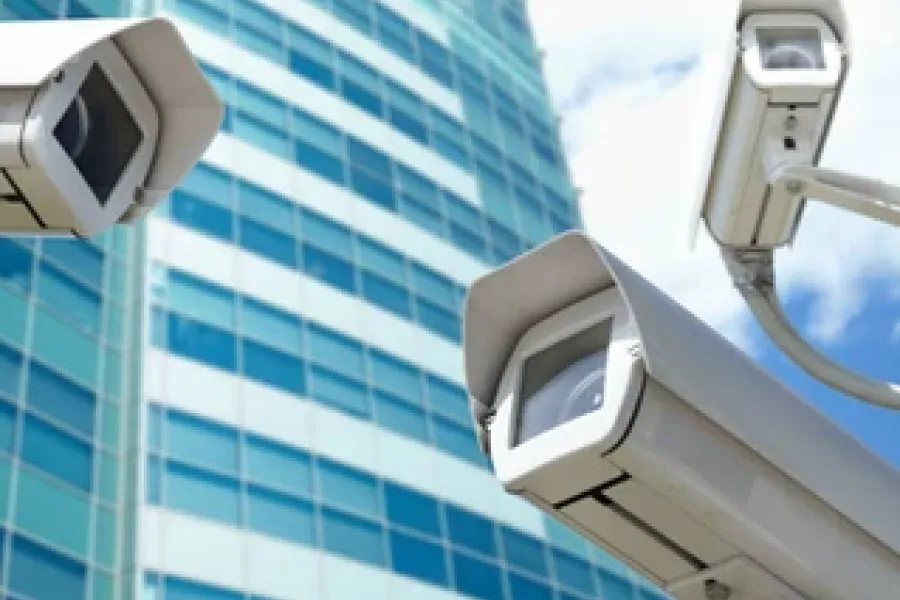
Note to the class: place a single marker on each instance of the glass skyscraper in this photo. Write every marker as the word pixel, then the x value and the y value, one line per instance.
pixel 258 393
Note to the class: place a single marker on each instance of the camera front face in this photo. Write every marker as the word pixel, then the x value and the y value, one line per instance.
pixel 90 139
pixel 563 382
pixel 569 387
pixel 790 50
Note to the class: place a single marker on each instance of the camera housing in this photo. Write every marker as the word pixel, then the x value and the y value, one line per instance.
pixel 784 72
pixel 604 403
pixel 99 120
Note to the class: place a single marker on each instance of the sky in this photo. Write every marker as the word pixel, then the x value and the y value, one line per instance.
pixel 634 84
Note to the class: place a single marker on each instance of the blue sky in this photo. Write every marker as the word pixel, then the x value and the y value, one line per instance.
pixel 635 83
pixel 867 347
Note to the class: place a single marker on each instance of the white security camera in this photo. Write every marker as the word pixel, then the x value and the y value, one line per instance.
pixel 99 120
pixel 604 403
pixel 786 69
pixel 790 60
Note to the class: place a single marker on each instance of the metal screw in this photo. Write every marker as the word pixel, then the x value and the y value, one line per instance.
pixel 59 77
pixel 716 590
pixel 791 122
pixel 794 186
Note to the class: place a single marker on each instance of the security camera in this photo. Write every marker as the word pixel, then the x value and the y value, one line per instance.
pixel 789 61
pixel 605 404
pixel 785 70
pixel 99 120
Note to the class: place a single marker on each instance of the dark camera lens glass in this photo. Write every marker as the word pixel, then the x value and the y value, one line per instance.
pixel 791 48
pixel 99 134
pixel 563 382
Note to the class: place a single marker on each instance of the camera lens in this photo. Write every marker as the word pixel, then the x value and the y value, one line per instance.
pixel 72 130
pixel 563 382
pixel 99 134
pixel 783 48
pixel 788 57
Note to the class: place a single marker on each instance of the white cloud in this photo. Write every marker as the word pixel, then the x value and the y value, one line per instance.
pixel 636 150
pixel 895 333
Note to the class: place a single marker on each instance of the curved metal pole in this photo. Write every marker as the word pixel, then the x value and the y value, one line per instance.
pixel 753 274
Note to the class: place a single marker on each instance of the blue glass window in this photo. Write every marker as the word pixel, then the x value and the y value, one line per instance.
pixel 400 417
pixel 476 578
pixel 352 537
pixel 80 257
pixel 257 132
pixel 429 284
pixel 362 98
pixel 327 235
pixel 41 574
pixel 394 32
pixel 181 589
pixel 278 466
pixel 354 13
pixel 268 243
pixel 573 573
pixel 203 14
pixel 281 516
pixel 366 157
pixel 210 184
pixel 201 442
pixel 15 264
pixel 271 326
pixel 61 399
pixel 259 30
pixel 379 259
pixel 274 368
pixel 373 188
pixel 319 162
pixel 266 207
pixel 417 558
pixel 335 351
pixel 339 392
pixel 435 60
pixel 202 494
pixel 615 586
pixel 7 427
pixel 199 299
pixel 439 321
pixel 386 295
pixel 311 57
pixel 523 552
pixel 411 509
pixel 206 218
pixel 424 216
pixel 312 70
pixel 154 480
pixel 347 488
pixel 259 104
pixel 408 124
pixel 395 377
pixel 202 343
pixel 81 303
pixel 448 399
pixel 468 530
pixel 317 133
pixel 57 453
pixel 418 187
pixel 522 588
pixel 329 269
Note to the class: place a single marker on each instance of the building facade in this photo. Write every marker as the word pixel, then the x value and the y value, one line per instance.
pixel 258 393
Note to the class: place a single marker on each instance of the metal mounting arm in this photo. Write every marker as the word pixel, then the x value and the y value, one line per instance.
pixel 754 276
pixel 862 195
